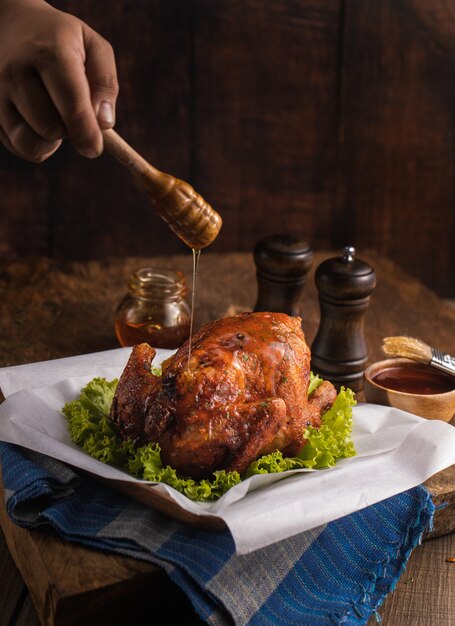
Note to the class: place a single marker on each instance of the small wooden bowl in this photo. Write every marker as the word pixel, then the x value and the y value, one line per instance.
pixel 439 406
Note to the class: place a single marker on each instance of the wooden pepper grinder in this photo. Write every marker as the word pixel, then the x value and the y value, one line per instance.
pixel 282 264
pixel 339 351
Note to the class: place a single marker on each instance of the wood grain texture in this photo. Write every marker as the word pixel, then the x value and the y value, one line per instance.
pixel 333 121
pixel 395 184
pixel 28 615
pixel 24 207
pixel 424 594
pixel 13 594
pixel 442 488
pixel 72 585
pixel 265 116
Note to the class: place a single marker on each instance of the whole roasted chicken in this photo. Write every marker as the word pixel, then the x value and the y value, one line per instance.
pixel 241 394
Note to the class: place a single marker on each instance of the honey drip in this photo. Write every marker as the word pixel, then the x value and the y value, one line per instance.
pixel 196 257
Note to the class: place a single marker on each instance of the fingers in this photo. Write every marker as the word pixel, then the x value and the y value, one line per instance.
pixel 57 79
pixel 36 107
pixel 18 137
pixel 102 77
pixel 66 82
pixel 82 89
pixel 7 143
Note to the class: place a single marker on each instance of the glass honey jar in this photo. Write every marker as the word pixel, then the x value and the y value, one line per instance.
pixel 155 309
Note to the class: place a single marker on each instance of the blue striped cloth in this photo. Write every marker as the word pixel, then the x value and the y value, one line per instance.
pixel 338 573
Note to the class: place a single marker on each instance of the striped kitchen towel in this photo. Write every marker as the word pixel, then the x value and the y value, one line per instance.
pixel 338 573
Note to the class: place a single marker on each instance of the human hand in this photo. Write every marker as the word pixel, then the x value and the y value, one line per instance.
pixel 57 79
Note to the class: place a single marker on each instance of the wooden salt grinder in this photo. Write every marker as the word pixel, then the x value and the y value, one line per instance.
pixel 339 352
pixel 185 211
pixel 282 264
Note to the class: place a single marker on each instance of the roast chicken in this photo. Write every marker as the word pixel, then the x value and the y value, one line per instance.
pixel 241 394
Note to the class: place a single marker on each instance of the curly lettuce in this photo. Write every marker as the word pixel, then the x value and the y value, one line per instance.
pixel 91 429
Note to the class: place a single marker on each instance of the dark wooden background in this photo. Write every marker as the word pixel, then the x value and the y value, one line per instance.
pixel 330 119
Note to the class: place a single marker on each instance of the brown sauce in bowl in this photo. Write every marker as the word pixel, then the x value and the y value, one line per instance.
pixel 414 378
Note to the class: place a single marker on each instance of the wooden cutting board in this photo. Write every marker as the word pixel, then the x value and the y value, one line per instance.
pixel 442 487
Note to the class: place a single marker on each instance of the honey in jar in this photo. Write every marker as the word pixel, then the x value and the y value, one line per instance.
pixel 155 309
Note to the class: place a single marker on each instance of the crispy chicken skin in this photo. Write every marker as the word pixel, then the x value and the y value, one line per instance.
pixel 242 394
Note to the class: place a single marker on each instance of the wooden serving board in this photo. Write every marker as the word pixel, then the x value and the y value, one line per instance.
pixel 442 488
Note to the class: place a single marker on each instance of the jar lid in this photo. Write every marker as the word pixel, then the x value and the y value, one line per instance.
pixel 283 256
pixel 345 277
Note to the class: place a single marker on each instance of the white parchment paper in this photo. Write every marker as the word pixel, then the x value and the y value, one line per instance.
pixel 395 451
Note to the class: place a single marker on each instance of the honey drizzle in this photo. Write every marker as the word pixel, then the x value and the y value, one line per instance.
pixel 196 257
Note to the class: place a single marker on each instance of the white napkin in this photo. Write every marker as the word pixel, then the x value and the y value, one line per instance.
pixel 395 451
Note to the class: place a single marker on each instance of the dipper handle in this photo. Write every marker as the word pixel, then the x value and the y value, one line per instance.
pixel 182 208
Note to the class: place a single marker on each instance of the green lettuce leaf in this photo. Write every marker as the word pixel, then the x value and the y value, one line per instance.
pixel 315 381
pixel 146 464
pixel 90 428
pixel 89 424
pixel 332 441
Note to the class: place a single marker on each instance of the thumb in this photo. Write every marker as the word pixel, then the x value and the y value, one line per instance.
pixel 102 77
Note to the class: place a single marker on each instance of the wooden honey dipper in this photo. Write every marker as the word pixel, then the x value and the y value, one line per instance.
pixel 182 208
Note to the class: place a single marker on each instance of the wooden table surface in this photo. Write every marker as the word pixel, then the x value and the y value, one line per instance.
pixel 51 309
